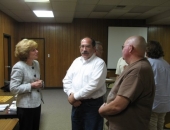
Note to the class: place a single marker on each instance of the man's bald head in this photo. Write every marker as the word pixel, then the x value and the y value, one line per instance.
pixel 135 49
pixel 139 43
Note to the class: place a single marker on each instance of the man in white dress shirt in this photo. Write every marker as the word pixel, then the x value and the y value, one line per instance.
pixel 84 84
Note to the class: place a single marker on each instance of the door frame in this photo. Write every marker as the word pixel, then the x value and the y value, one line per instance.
pixel 9 54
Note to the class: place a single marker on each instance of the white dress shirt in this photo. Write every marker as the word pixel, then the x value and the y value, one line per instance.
pixel 86 78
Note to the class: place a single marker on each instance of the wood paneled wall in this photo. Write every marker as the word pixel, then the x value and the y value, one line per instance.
pixel 62 41
pixel 10 27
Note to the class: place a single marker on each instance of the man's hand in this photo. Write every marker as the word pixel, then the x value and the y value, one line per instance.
pixel 101 109
pixel 114 107
pixel 77 103
pixel 71 99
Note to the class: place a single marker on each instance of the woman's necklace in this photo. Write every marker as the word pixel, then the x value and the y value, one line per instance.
pixel 31 64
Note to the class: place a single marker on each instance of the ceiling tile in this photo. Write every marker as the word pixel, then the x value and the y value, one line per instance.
pixel 129 15
pixel 115 11
pixel 11 14
pixel 39 6
pixel 144 15
pixel 63 14
pixel 63 0
pixel 131 2
pixel 97 14
pixel 27 18
pixel 166 4
pixel 25 13
pixel 158 10
pixel 153 2
pixel 115 14
pixel 112 16
pixel 80 8
pixel 63 6
pixel 2 7
pixel 109 2
pixel 165 21
pixel 15 5
pixel 64 19
pixel 103 8
pixel 141 9
pixel 82 14
pixel 87 2
pixel 66 10
pixel 1 1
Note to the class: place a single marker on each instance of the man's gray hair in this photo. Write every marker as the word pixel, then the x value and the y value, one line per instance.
pixel 98 43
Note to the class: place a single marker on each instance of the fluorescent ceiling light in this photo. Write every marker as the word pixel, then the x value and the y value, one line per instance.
pixel 36 0
pixel 40 13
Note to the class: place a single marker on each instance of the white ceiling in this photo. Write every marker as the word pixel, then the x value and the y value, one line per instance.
pixel 154 11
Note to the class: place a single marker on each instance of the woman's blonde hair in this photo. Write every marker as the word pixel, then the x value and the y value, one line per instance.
pixel 23 48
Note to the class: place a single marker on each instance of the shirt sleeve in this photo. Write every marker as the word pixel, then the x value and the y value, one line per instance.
pixel 131 87
pixel 67 81
pixel 16 83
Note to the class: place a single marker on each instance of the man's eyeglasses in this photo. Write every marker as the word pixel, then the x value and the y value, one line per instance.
pixel 124 46
pixel 83 46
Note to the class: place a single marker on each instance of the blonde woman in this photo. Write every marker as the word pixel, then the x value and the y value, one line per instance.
pixel 25 82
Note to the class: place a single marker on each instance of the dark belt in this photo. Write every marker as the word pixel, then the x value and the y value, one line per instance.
pixel 91 99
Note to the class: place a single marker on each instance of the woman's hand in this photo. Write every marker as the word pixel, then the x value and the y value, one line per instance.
pixel 36 84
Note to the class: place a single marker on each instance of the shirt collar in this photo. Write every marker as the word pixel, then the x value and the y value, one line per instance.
pixel 88 60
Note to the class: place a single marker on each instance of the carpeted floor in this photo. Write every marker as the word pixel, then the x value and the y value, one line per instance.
pixel 56 111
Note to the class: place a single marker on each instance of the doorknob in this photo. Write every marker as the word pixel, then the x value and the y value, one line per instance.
pixel 8 66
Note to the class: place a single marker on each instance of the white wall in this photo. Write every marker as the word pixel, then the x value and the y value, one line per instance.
pixel 116 38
